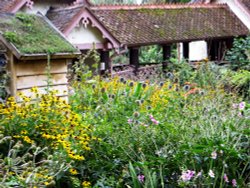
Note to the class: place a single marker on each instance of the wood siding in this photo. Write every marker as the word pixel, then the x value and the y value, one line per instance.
pixel 28 74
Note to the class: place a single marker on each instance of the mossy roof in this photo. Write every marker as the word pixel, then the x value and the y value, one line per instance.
pixel 33 34
pixel 169 23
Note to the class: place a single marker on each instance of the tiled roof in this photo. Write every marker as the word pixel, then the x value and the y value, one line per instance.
pixel 149 24
pixel 166 23
pixel 61 18
pixel 246 3
pixel 5 5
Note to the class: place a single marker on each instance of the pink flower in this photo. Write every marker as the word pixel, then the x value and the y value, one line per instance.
pixel 187 175
pixel 130 121
pixel 199 174
pixel 214 155
pixel 141 178
pixel 154 121
pixel 235 105
pixel 234 183
pixel 211 173
pixel 240 114
pixel 242 105
pixel 225 178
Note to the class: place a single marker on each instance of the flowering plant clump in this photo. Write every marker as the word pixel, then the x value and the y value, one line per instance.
pixel 162 126
pixel 47 121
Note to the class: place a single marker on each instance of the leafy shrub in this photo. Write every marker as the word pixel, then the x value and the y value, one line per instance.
pixel 150 54
pixel 239 55
pixel 238 81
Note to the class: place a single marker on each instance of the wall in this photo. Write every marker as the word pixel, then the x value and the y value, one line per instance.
pixel 28 74
pixel 197 50
pixel 82 35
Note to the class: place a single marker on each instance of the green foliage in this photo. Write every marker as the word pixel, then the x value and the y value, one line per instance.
pixel 11 36
pixel 238 81
pixel 239 55
pixel 150 54
pixel 183 71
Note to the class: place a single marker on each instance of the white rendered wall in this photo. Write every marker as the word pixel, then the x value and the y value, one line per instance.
pixel 82 35
pixel 197 50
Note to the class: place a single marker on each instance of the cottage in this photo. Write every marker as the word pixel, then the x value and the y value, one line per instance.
pixel 29 43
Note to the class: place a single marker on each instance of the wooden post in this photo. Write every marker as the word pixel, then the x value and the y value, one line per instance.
pixel 134 57
pixel 186 50
pixel 166 55
pixel 105 62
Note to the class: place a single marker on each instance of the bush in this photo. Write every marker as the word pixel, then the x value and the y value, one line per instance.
pixel 239 55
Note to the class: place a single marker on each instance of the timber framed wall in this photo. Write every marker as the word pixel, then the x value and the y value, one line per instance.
pixel 34 73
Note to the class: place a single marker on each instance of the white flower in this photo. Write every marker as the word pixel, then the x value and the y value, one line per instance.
pixel 211 173
pixel 214 155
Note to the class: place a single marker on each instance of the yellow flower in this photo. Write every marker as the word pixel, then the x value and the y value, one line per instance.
pixel 27 139
pixel 24 132
pixel 46 183
pixel 34 90
pixel 86 184
pixel 73 171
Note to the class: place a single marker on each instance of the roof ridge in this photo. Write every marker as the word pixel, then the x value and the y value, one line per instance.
pixel 155 6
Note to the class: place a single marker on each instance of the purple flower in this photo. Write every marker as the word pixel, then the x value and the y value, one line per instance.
pixel 211 173
pixel 141 178
pixel 242 105
pixel 214 155
pixel 225 178
pixel 234 183
pixel 187 175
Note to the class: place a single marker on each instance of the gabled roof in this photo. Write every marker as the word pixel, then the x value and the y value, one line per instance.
pixel 151 24
pixel 61 18
pixel 33 35
pixel 66 19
